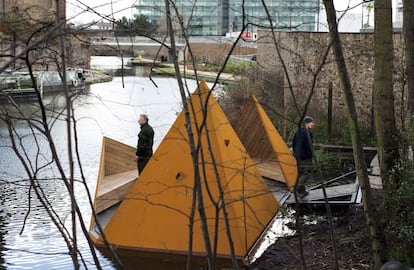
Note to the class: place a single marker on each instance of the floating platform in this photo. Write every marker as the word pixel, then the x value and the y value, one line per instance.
pixel 152 213
pixel 336 195
pixel 341 194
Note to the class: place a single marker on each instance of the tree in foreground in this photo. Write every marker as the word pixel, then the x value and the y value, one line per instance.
pixel 371 213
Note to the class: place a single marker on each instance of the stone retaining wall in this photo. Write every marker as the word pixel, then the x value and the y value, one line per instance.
pixel 302 54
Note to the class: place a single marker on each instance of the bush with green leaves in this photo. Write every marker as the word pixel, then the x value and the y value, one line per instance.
pixel 399 217
pixel 239 67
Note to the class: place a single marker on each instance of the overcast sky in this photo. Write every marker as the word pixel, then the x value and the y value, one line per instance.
pixel 76 8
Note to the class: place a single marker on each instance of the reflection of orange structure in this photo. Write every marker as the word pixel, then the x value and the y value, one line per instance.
pixel 264 144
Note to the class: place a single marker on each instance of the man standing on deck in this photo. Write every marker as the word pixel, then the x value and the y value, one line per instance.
pixel 302 149
pixel 145 142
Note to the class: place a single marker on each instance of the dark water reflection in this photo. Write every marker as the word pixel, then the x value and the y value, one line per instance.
pixel 107 109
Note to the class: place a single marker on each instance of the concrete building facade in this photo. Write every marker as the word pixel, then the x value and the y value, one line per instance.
pixel 208 17
pixel 295 15
pixel 21 18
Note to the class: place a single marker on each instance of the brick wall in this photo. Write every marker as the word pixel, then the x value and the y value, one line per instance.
pixel 215 53
pixel 303 53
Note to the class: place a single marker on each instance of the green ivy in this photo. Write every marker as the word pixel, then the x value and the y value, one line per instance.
pixel 399 213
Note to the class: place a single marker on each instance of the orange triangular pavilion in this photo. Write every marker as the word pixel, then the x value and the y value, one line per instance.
pixel 155 214
pixel 264 144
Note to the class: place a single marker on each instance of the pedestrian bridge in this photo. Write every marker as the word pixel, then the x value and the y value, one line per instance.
pixel 140 45
pixel 136 46
pixel 133 41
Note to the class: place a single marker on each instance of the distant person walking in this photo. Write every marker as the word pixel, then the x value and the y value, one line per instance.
pixel 302 149
pixel 145 143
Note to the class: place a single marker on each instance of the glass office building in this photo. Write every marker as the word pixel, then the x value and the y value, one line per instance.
pixel 205 18
pixel 218 17
pixel 287 15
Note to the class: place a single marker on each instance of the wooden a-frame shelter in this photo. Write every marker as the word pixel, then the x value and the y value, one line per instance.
pixel 264 144
pixel 155 213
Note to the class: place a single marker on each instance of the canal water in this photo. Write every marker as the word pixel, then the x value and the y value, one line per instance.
pixel 106 109
pixel 29 239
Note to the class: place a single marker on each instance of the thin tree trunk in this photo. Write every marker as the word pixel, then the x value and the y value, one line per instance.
pixel 61 17
pixel 194 152
pixel 290 87
pixel 384 112
pixel 408 29
pixel 371 215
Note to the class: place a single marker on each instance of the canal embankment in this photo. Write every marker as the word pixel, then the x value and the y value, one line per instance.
pixel 97 76
pixel 202 71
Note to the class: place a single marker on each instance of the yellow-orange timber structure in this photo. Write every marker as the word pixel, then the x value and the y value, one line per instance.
pixel 154 214
pixel 265 146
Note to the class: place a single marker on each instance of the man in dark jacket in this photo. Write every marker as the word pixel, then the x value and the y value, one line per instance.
pixel 302 149
pixel 145 142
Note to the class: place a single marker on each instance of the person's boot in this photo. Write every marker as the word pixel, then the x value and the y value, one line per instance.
pixel 301 191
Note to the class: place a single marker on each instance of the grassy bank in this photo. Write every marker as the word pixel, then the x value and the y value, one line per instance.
pixel 204 75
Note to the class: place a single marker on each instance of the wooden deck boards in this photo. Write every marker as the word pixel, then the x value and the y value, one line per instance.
pixel 332 192
pixel 342 194
pixel 115 181
pixel 264 143
pixel 118 157
pixel 269 169
pixel 252 133
pixel 114 188
pixel 278 189
pixel 375 181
